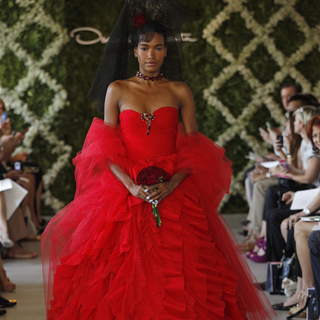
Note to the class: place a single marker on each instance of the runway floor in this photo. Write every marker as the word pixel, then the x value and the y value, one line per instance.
pixel 26 274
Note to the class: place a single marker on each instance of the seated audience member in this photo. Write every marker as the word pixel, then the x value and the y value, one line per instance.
pixel 265 182
pixel 271 244
pixel 33 182
pixel 287 91
pixel 275 241
pixel 292 142
pixel 303 269
pixel 15 227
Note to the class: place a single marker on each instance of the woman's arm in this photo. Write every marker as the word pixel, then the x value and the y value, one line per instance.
pixel 310 174
pixel 187 109
pixel 111 104
pixel 312 206
pixel 111 115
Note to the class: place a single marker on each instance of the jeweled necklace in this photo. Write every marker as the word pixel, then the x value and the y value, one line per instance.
pixel 141 76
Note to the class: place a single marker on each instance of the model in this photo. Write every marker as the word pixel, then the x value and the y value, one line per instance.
pixel 143 239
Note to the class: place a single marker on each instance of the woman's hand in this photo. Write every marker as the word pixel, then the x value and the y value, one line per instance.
pixel 139 191
pixel 288 197
pixel 285 168
pixel 294 218
pixel 161 190
pixel 265 136
pixel 277 145
pixel 14 174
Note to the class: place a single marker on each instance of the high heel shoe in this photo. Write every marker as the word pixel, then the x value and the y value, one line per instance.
pixel 298 312
pixel 2 312
pixel 259 258
pixel 256 247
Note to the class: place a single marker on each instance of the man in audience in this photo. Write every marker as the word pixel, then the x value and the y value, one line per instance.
pixel 287 91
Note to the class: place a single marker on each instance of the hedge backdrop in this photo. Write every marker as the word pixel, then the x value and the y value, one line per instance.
pixel 245 51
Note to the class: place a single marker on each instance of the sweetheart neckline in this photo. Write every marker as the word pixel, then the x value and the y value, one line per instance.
pixel 151 112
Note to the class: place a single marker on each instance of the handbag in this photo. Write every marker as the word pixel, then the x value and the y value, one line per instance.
pixel 284 270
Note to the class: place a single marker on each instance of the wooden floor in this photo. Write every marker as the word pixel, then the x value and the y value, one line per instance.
pixel 28 278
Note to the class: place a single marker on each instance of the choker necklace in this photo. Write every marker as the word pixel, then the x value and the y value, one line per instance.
pixel 141 76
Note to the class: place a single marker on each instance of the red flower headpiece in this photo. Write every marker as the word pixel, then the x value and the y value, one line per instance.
pixel 138 21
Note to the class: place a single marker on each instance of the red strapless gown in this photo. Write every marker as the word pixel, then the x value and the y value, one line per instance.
pixel 103 255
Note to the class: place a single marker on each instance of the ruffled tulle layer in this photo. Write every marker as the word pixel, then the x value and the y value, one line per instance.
pixel 130 269
pixel 104 257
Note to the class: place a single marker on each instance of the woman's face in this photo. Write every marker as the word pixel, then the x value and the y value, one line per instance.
pixel 151 54
pixel 316 136
pixel 298 124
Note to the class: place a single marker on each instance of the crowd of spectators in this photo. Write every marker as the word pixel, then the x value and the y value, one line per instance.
pixel 273 231
pixel 16 170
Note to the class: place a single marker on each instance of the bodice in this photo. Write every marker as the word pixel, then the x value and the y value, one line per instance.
pixel 161 140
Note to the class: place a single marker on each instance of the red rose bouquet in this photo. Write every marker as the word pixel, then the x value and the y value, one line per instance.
pixel 149 176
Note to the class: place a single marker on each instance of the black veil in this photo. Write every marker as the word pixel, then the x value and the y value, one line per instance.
pixel 118 60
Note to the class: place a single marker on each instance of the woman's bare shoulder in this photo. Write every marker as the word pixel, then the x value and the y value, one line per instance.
pixel 119 84
pixel 118 87
pixel 179 85
pixel 180 88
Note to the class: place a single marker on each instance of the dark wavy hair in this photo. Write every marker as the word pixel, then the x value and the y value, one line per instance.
pixel 314 122
pixel 146 32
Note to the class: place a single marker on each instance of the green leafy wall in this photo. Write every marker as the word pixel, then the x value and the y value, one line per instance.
pixel 75 66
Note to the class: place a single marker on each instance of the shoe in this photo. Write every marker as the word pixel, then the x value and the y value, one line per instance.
pixel 280 306
pixel 258 245
pixel 298 312
pixel 245 222
pixel 5 241
pixel 40 230
pixel 243 233
pixel 255 257
pixel 2 312
pixel 4 303
pixel 42 223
